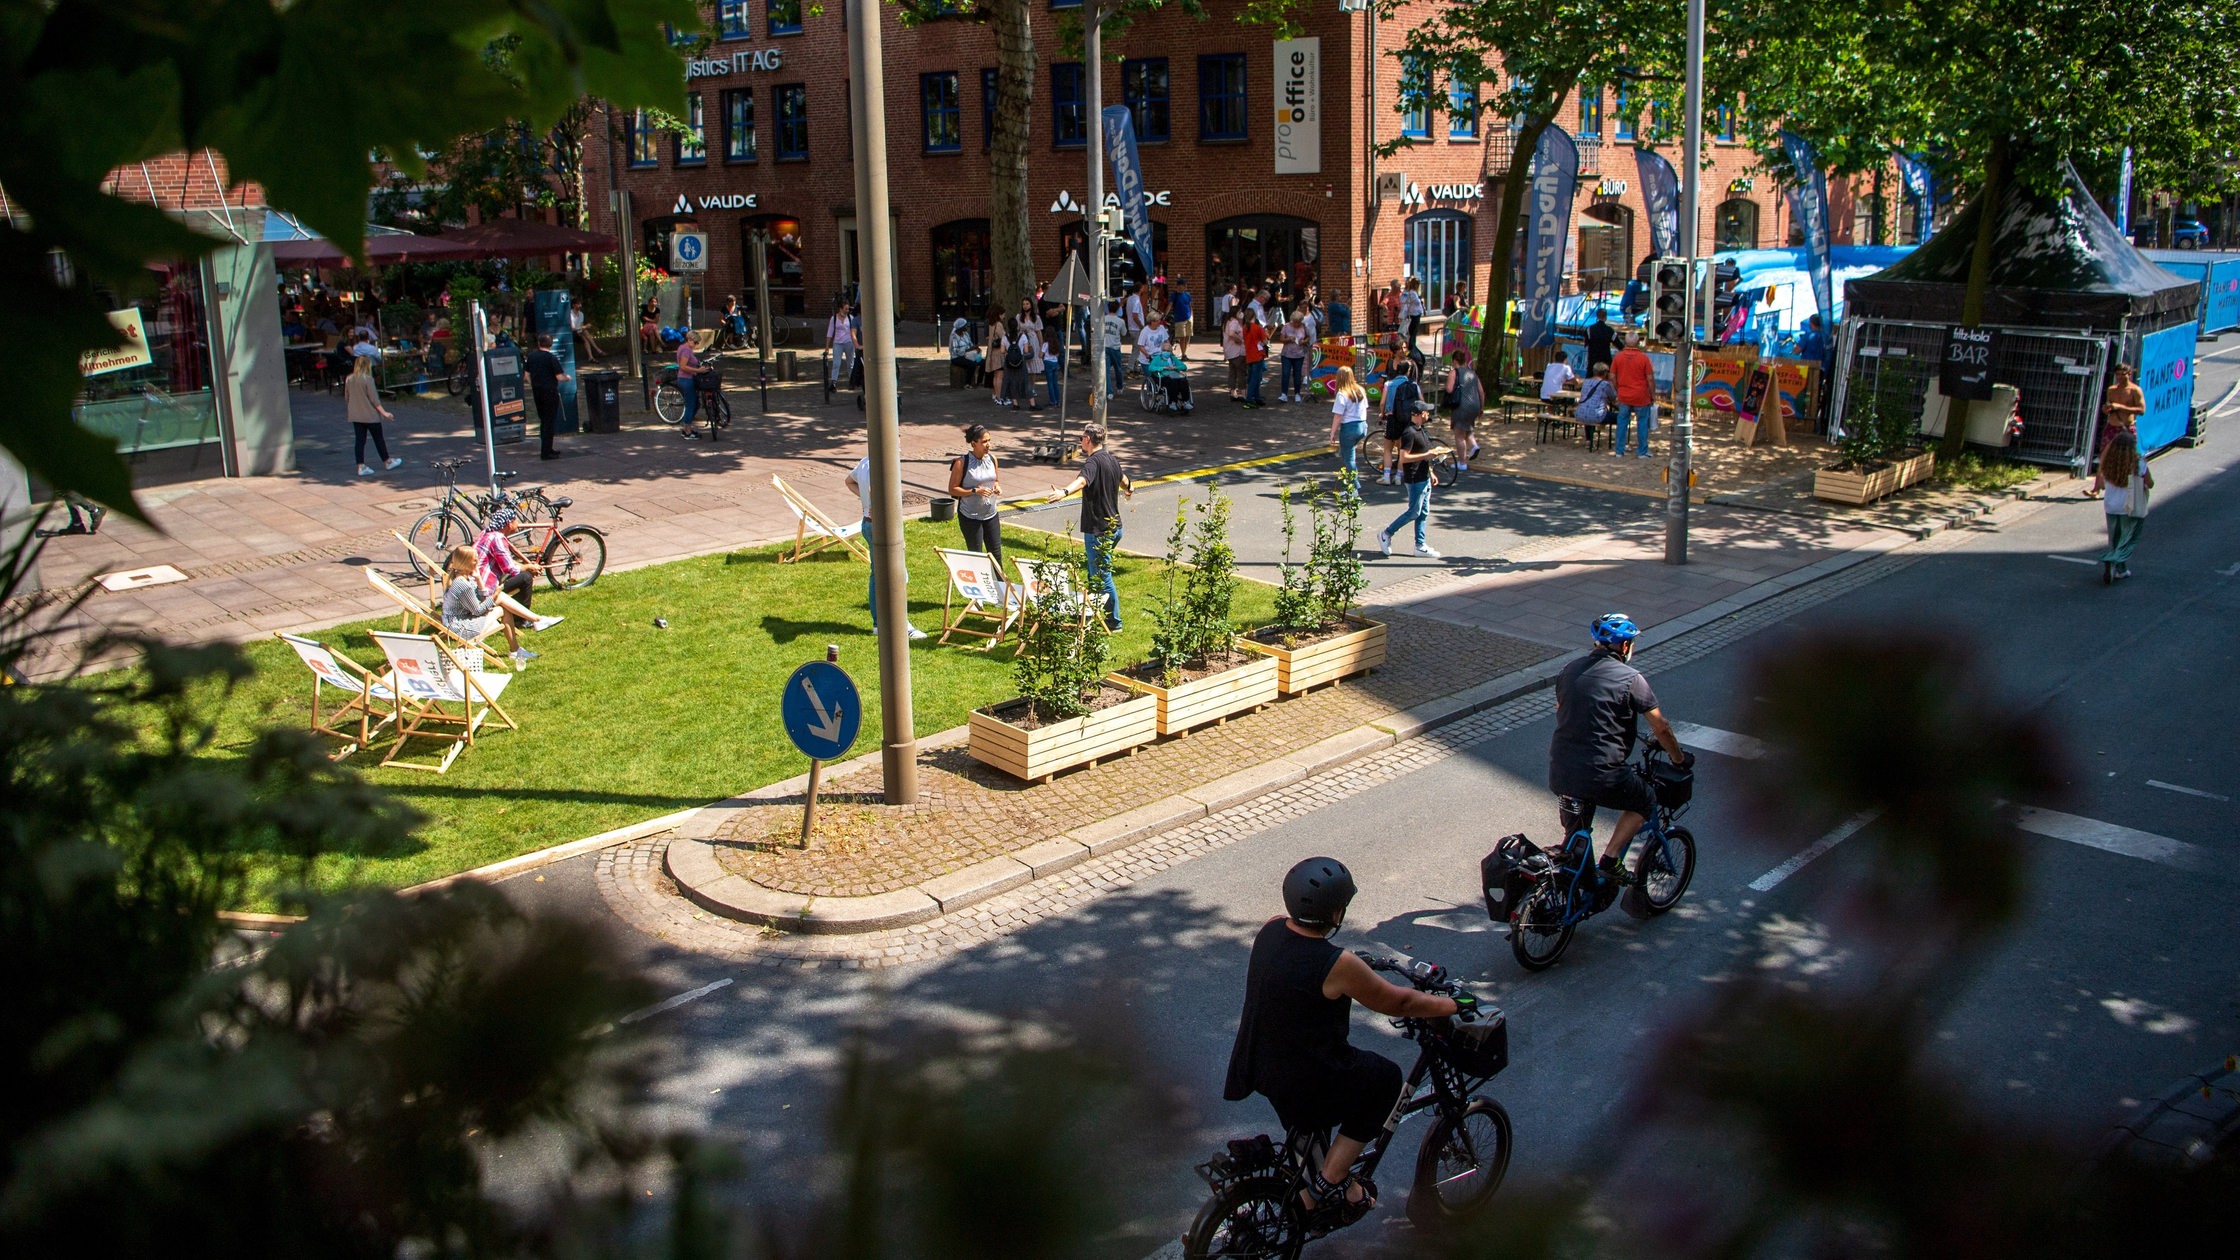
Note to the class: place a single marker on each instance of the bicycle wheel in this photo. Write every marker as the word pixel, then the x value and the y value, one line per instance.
pixel 1539 933
pixel 1460 1165
pixel 717 409
pixel 574 558
pixel 1445 471
pixel 668 402
pixel 434 534
pixel 1259 1217
pixel 1661 873
pixel 461 376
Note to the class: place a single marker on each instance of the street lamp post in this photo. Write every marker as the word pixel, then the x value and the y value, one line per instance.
pixel 898 749
pixel 1683 363
pixel 1092 65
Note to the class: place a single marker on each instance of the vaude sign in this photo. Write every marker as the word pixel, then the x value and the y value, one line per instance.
pixel 737 63
pixel 1065 204
pixel 719 201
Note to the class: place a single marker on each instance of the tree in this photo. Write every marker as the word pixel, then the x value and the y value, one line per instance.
pixel 1012 21
pixel 92 86
pixel 1538 53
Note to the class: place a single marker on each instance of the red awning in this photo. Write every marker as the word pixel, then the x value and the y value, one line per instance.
pixel 379 251
pixel 525 238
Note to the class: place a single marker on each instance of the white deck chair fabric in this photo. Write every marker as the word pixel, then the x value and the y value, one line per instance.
pixel 988 600
pixel 814 531
pixel 352 720
pixel 438 697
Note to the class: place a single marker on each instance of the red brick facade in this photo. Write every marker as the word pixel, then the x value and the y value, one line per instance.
pixel 1217 197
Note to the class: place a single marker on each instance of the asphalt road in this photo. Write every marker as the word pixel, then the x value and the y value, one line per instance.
pixel 2119 977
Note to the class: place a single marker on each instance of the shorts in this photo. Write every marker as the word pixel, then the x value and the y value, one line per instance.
pixel 1356 1096
pixel 1625 789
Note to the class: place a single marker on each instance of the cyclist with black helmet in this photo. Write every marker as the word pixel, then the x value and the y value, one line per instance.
pixel 1291 1043
pixel 1600 701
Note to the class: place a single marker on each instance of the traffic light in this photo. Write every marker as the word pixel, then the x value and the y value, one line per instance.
pixel 1725 278
pixel 1668 301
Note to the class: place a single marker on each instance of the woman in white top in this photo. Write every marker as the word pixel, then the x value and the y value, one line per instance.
pixel 973 484
pixel 840 336
pixel 1349 420
pixel 1558 376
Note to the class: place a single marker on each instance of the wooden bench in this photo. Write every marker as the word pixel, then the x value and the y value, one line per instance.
pixel 1556 423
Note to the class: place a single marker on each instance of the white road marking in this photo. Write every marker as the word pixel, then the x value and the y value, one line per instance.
pixel 1458 921
pixel 670 1004
pixel 1718 741
pixel 2073 559
pixel 2234 571
pixel 1844 831
pixel 2107 836
pixel 2172 787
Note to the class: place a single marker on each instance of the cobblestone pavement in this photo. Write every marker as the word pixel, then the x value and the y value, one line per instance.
pixel 632 882
pixel 968 812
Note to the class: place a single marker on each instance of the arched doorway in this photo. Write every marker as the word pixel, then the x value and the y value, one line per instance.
pixel 1436 249
pixel 1735 224
pixel 1254 247
pixel 963 268
pixel 1605 247
pixel 786 261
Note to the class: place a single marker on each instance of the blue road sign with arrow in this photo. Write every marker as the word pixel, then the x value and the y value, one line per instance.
pixel 821 710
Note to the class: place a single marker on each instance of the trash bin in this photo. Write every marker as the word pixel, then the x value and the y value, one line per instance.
pixel 601 401
pixel 789 368
pixel 944 508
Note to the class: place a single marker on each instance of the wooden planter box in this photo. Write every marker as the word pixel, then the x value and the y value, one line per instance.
pixel 1915 469
pixel 1338 656
pixel 1215 697
pixel 1853 486
pixel 1045 750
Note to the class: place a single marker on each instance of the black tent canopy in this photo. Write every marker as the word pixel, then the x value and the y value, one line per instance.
pixel 2056 262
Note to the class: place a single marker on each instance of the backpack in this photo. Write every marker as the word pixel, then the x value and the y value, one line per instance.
pixel 1012 359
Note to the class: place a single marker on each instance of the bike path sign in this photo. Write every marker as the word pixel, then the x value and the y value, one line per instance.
pixel 821 710
pixel 688 250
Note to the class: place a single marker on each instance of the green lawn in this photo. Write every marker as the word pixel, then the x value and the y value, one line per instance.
pixel 621 722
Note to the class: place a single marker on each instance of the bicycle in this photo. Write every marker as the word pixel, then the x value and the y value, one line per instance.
pixel 668 399
pixel 457 518
pixel 1543 900
pixel 1255 1210
pixel 573 556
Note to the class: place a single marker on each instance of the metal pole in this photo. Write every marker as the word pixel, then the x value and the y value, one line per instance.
pixel 761 243
pixel 1683 364
pixel 479 331
pixel 622 228
pixel 1092 63
pixel 898 751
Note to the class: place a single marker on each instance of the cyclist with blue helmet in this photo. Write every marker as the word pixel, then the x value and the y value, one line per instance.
pixel 1600 701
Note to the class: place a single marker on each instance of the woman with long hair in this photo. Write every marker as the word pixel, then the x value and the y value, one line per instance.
pixel 1349 420
pixel 979 496
pixel 2124 481
pixel 361 399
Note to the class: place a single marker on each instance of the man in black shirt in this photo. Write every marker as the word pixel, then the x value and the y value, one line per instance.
pixel 1100 486
pixel 1600 338
pixel 1600 699
pixel 545 374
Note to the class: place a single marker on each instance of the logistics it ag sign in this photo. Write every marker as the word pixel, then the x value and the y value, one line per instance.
pixel 1298 106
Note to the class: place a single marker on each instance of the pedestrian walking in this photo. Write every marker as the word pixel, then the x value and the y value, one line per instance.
pixel 1232 350
pixel 1600 338
pixel 1296 338
pixel 1467 396
pixel 1349 421
pixel 1401 394
pixel 859 480
pixel 1115 331
pixel 840 338
pixel 690 371
pixel 973 484
pixel 1255 361
pixel 1101 484
pixel 1015 349
pixel 546 374
pixel 361 400
pixel 1179 311
pixel 1635 379
pixel 2120 410
pixel 1414 453
pixel 1411 313
pixel 2123 481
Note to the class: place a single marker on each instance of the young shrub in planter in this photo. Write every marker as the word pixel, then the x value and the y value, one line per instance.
pixel 1200 668
pixel 1866 472
pixel 1068 713
pixel 1327 641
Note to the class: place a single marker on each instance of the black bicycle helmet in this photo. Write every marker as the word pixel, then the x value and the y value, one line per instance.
pixel 1317 891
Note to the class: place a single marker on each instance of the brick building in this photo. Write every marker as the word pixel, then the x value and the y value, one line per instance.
pixel 772 150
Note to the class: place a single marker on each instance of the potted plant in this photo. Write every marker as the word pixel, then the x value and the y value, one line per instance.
pixel 1067 713
pixel 1200 669
pixel 1316 636
pixel 1876 429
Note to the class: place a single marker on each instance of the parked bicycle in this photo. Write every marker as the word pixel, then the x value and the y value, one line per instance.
pixel 668 399
pixel 1256 1209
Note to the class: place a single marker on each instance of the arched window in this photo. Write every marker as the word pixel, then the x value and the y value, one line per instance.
pixel 1735 224
pixel 1436 249
pixel 1254 248
pixel 786 261
pixel 1605 247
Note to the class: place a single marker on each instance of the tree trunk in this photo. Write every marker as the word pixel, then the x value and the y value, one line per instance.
pixel 1996 172
pixel 1493 337
pixel 1008 240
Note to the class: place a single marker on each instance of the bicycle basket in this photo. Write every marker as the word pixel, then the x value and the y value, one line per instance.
pixel 1675 785
pixel 1477 1049
pixel 1507 874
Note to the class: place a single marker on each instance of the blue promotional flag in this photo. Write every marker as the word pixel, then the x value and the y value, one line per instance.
pixel 1555 175
pixel 1809 204
pixel 1921 186
pixel 1660 190
pixel 1127 180
pixel 2123 196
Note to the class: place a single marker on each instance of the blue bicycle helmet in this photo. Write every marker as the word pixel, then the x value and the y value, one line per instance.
pixel 1615 630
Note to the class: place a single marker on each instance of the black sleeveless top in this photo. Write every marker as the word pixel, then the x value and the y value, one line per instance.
pixel 1291 1037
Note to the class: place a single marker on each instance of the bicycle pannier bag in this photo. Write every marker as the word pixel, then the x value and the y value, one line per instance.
pixel 1507 873
pixel 1479 1048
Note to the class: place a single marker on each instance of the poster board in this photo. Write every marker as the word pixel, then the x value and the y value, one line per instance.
pixel 1758 412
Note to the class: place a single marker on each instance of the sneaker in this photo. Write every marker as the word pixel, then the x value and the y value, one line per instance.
pixel 1427 553
pixel 2122 572
pixel 916 634
pixel 1384 542
pixel 1611 872
pixel 394 465
pixel 524 655
pixel 546 623
pixel 365 470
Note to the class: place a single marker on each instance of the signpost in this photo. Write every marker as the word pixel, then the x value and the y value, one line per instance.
pixel 688 256
pixel 822 713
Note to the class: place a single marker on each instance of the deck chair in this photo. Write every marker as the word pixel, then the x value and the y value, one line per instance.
pixel 428 565
pixel 1046 590
pixel 988 600
pixel 815 530
pixel 357 694
pixel 438 697
pixel 417 615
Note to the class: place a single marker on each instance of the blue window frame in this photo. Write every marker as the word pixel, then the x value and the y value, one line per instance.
pixel 1722 122
pixel 738 125
pixel 1069 112
pixel 1660 122
pixel 641 137
pixel 793 122
pixel 1143 89
pixel 987 107
pixel 731 20
pixel 1065 4
pixel 1590 111
pixel 937 97
pixel 1221 111
pixel 692 142
pixel 1462 105
pixel 782 17
pixel 1623 111
pixel 1415 99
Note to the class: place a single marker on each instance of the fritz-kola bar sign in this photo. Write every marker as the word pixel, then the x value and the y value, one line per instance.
pixel 1298 106
pixel 737 63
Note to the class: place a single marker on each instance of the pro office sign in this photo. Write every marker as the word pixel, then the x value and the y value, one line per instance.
pixel 1299 106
